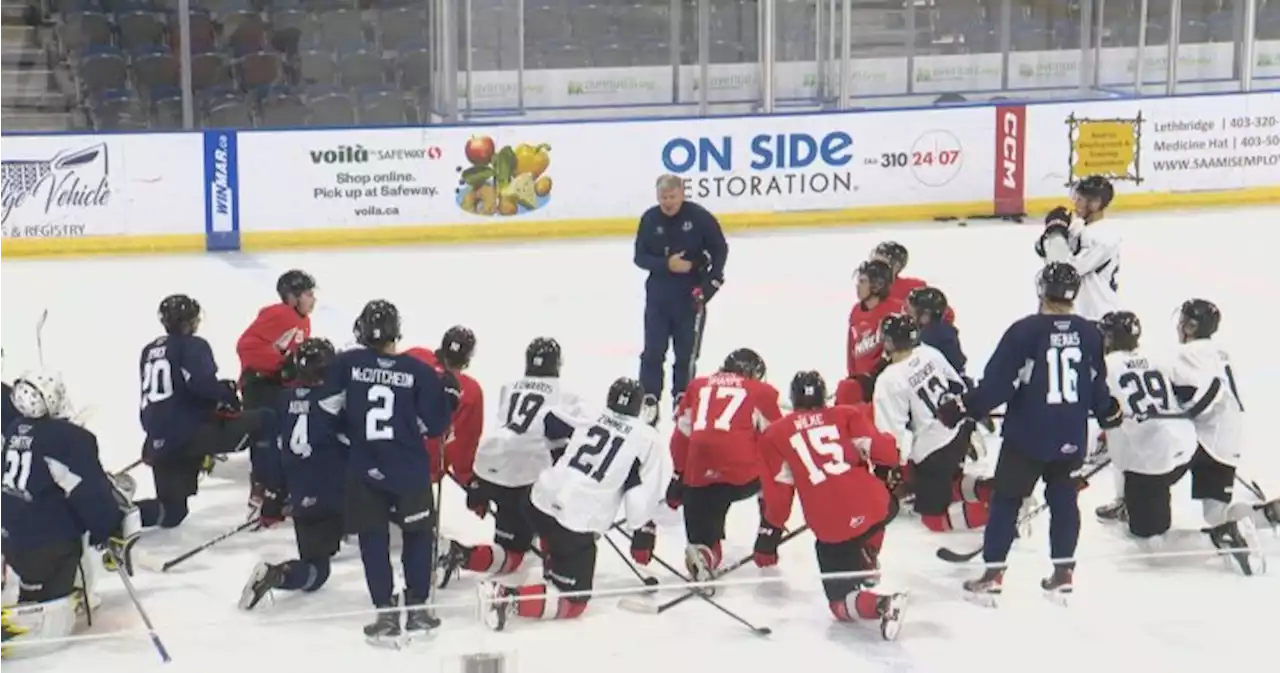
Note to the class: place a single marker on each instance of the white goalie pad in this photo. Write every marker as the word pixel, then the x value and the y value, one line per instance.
pixel 28 626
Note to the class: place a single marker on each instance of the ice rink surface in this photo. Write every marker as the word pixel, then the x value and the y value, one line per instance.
pixel 787 295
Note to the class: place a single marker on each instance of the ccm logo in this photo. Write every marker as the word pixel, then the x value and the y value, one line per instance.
pixel 1010 138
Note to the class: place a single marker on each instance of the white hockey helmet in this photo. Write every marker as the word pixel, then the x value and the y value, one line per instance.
pixel 40 394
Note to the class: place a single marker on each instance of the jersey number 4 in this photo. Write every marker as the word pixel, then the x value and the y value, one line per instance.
pixel 17 470
pixel 299 440
pixel 820 444
pixel 587 461
pixel 157 382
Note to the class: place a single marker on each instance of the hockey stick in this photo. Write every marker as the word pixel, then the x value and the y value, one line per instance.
pixel 1270 508
pixel 146 621
pixel 649 608
pixel 952 556
pixel 647 580
pixel 168 565
pixel 44 316
pixel 699 321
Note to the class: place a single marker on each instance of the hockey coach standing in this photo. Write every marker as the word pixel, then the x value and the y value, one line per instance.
pixel 682 247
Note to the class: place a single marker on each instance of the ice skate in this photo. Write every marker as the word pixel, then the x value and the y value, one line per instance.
pixel 985 590
pixel 496 604
pixel 892 608
pixel 419 620
pixel 697 559
pixel 385 630
pixel 1113 512
pixel 262 580
pixel 1240 538
pixel 449 564
pixel 1058 586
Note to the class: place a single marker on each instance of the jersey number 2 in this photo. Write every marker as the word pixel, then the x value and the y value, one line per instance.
pixel 1064 384
pixel 17 470
pixel 824 441
pixel 382 400
pixel 583 461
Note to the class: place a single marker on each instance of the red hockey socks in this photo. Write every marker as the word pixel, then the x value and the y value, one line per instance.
pixel 543 601
pixel 858 604
pixel 959 516
pixel 493 559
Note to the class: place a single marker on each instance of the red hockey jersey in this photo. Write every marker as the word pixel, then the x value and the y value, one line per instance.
pixel 464 432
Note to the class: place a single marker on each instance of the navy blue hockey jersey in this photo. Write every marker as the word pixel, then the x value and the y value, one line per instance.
pixel 180 390
pixel 946 338
pixel 391 403
pixel 1050 370
pixel 312 456
pixel 55 489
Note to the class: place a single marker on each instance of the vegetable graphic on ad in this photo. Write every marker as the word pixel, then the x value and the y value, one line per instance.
pixel 505 181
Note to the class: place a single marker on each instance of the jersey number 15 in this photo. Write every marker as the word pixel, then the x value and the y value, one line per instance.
pixel 820 444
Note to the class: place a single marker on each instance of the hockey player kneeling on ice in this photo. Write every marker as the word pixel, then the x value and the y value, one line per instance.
pixel 906 400
pixel 534 423
pixel 1205 386
pixel 717 463
pixel 55 493
pixel 310 465
pixel 612 460
pixel 188 415
pixel 822 453
pixel 392 400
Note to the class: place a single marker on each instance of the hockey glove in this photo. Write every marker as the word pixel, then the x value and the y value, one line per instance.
pixel 767 541
pixel 477 500
pixel 1059 216
pixel 452 388
pixel 272 510
pixel 229 400
pixel 119 546
pixel 893 479
pixel 675 492
pixel 1113 416
pixel 951 412
pixel 642 543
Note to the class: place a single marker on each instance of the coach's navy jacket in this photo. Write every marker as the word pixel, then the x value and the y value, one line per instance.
pixel 695 232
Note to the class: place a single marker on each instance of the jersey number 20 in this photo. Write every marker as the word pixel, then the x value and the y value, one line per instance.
pixel 157 382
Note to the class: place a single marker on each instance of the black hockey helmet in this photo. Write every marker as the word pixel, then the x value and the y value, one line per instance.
pixel 808 391
pixel 899 332
pixel 1096 187
pixel 178 314
pixel 1120 330
pixel 626 397
pixel 456 347
pixel 1058 281
pixel 1199 318
pixel 542 357
pixel 311 359
pixel 879 275
pixel 746 362
pixel 892 252
pixel 293 283
pixel 928 301
pixel 378 324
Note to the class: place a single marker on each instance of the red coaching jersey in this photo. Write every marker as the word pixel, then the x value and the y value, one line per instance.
pixel 464 430
pixel 271 336
pixel 718 422
pixel 864 347
pixel 824 455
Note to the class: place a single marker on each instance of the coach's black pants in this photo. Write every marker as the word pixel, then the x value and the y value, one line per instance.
pixel 669 317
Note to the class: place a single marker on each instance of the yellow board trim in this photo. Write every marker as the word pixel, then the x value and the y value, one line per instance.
pixel 517 230
pixel 102 245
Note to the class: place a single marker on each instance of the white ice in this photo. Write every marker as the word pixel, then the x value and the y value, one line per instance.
pixel 787 295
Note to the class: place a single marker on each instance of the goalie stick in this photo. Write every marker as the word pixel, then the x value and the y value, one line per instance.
pixel 952 556
pixel 650 608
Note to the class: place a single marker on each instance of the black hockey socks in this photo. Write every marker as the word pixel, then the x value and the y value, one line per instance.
pixel 417 555
pixel 305 575
pixel 1062 497
pixel 1002 528
pixel 375 554
pixel 168 514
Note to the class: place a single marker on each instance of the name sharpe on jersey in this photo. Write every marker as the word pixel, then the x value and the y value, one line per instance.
pixel 384 377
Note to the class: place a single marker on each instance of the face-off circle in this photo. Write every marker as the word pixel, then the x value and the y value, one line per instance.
pixel 936 158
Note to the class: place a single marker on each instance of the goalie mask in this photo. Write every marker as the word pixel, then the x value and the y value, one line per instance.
pixel 40 394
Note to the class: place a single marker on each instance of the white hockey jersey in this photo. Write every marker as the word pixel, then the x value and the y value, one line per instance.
pixel 612 460
pixel 1203 367
pixel 1144 388
pixel 906 400
pixel 518 451
pixel 1098 262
